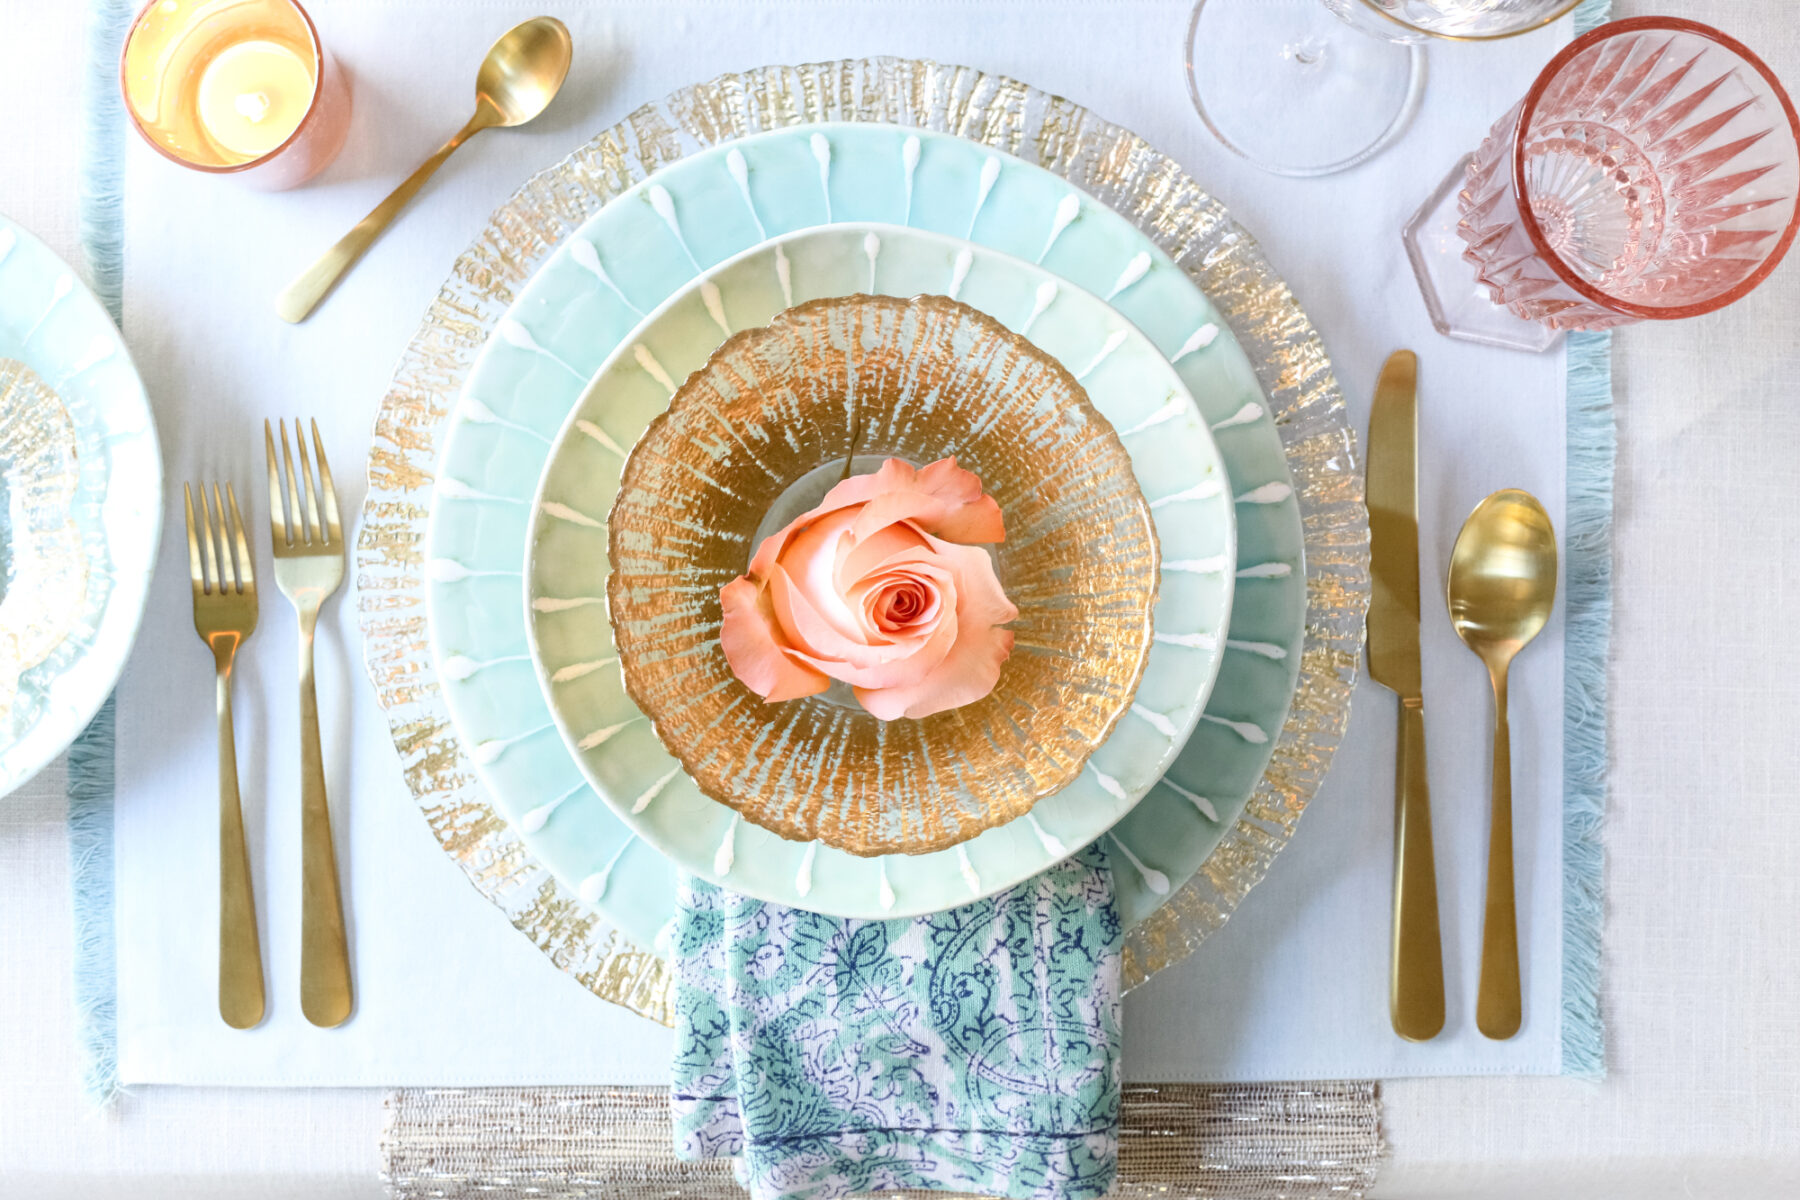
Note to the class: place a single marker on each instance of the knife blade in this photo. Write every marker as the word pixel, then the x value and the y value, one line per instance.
pixel 1416 981
pixel 1393 498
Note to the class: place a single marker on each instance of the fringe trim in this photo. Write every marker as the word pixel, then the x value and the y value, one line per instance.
pixel 91 755
pixel 1591 13
pixel 1587 553
pixel 91 874
pixel 103 153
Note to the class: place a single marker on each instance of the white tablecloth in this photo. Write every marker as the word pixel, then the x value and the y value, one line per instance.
pixel 1701 944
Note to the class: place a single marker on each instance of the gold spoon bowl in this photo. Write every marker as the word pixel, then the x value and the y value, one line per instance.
pixel 1502 585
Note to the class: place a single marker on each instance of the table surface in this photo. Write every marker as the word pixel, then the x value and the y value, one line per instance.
pixel 1702 942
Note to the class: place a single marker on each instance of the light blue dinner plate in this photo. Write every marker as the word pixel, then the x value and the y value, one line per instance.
pixel 80 505
pixel 596 290
pixel 1174 458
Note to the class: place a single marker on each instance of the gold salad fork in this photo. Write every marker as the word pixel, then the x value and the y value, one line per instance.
pixel 309 566
pixel 224 616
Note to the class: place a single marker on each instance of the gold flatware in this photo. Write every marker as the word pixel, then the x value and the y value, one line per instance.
pixel 1502 584
pixel 309 566
pixel 1416 982
pixel 521 74
pixel 224 579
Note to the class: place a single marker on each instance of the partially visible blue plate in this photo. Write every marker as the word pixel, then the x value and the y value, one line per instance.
pixel 80 504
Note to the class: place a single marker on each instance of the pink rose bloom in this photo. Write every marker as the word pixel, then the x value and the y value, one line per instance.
pixel 880 587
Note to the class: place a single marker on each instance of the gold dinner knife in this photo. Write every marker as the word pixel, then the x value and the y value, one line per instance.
pixel 1416 984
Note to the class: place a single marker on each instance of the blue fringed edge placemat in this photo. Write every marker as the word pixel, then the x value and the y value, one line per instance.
pixel 1591 447
pixel 91 756
pixel 1587 582
pixel 1587 565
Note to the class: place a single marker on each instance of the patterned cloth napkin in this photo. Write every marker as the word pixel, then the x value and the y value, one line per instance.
pixel 973 1050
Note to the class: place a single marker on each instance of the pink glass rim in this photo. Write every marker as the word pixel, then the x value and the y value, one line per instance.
pixel 312 107
pixel 1528 110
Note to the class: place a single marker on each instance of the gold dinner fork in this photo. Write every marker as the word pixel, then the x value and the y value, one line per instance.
pixel 224 616
pixel 309 566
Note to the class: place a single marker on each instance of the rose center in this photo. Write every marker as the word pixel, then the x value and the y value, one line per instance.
pixel 901 604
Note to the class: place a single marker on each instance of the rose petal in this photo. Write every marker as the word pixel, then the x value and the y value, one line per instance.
pixel 857 557
pixel 963 677
pixel 976 511
pixel 979 597
pixel 928 652
pixel 748 637
pixel 893 475
pixel 807 631
pixel 809 558
pixel 972 522
pixel 942 498
pixel 770 550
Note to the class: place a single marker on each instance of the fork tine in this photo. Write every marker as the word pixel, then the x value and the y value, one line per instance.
pixel 296 515
pixel 227 570
pixel 194 570
pixel 280 528
pixel 330 501
pixel 206 537
pixel 317 528
pixel 246 570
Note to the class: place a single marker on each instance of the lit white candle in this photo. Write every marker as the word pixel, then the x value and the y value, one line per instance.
pixel 253 96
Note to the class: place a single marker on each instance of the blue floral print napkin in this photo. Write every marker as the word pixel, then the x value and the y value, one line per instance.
pixel 973 1050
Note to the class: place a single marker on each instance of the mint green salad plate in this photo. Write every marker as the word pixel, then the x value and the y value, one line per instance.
pixel 1131 384
pixel 596 290
pixel 80 504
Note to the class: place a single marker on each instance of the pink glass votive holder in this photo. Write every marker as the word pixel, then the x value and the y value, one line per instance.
pixel 235 87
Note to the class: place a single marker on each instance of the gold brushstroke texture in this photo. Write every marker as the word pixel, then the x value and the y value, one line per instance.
pixel 43 592
pixel 1111 164
pixel 918 380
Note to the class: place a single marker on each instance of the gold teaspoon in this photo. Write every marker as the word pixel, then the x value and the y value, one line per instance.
pixel 1501 587
pixel 521 74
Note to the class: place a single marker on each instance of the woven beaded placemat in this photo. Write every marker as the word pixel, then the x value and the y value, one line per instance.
pixel 1262 1141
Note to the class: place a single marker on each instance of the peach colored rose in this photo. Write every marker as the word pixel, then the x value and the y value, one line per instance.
pixel 880 587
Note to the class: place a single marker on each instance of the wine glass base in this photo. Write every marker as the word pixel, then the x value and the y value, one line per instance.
pixel 1460 306
pixel 1295 89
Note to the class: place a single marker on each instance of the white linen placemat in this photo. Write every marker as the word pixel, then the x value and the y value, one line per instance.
pixel 448 992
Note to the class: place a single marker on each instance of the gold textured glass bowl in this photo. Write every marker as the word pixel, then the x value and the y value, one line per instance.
pixel 878 377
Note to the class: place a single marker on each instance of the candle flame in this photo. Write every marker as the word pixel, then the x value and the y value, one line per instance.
pixel 252 106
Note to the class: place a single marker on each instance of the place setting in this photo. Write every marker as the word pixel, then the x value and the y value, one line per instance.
pixel 820 600
pixel 893 318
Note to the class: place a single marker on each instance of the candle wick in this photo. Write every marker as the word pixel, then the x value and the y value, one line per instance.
pixel 252 106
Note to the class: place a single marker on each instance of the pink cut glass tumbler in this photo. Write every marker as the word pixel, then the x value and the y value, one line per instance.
pixel 1650 173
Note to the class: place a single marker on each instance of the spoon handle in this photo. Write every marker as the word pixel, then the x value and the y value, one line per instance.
pixel 299 298
pixel 1498 1007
